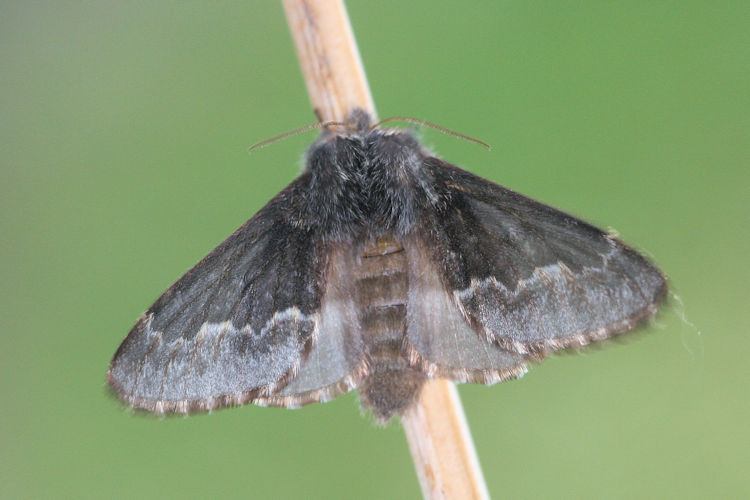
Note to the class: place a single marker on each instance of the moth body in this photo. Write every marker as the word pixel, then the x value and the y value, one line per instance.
pixel 381 289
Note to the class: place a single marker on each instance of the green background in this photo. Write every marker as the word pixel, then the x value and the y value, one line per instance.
pixel 123 136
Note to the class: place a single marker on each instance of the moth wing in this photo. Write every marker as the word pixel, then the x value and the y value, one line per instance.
pixel 237 326
pixel 528 276
pixel 439 339
pixel 335 363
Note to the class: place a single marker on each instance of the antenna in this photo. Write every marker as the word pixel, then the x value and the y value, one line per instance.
pixel 444 130
pixel 262 144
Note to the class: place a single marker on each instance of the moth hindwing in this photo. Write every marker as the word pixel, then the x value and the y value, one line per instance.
pixel 380 266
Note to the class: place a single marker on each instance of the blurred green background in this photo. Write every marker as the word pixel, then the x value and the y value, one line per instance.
pixel 123 136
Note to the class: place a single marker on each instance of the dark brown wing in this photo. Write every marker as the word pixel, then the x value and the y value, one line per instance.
pixel 439 339
pixel 237 327
pixel 527 276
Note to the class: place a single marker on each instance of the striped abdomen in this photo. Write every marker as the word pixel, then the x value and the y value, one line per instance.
pixel 381 289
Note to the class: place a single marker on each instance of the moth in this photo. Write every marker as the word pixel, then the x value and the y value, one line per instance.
pixel 379 267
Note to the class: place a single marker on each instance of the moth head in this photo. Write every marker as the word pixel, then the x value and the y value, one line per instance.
pixel 358 124
pixel 339 152
pixel 394 150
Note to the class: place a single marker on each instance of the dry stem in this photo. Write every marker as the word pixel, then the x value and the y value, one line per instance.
pixel 435 427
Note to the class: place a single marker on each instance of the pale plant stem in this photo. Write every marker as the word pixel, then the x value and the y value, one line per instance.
pixel 439 438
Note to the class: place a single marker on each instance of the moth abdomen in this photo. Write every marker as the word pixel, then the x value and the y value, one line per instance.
pixel 383 323
pixel 381 289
